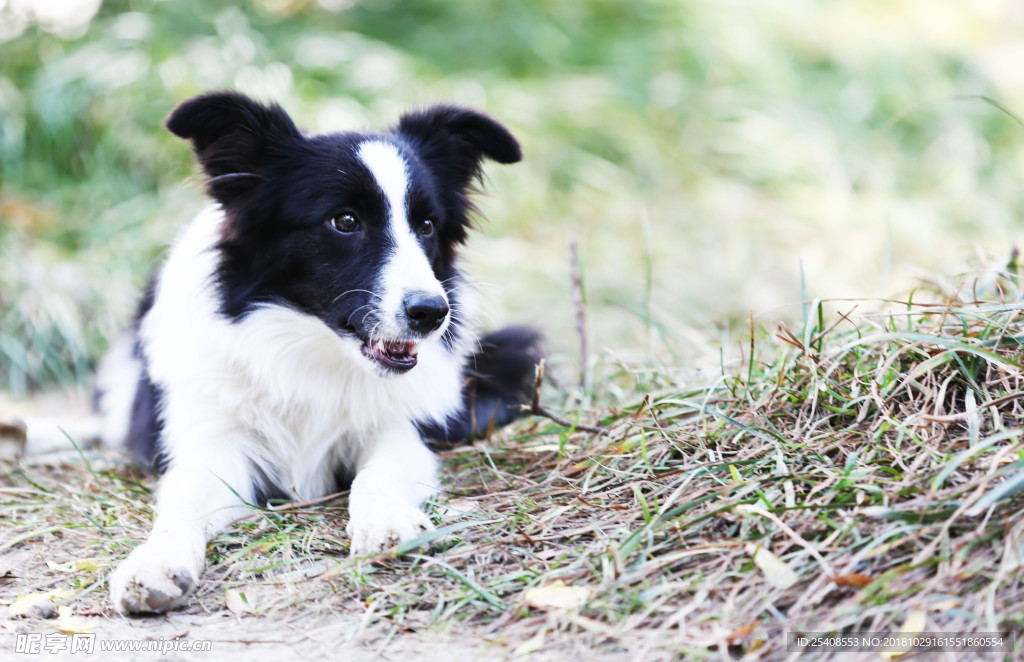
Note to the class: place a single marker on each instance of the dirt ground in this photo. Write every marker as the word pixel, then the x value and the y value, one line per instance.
pixel 306 632
pixel 302 635
pixel 311 630
pixel 256 639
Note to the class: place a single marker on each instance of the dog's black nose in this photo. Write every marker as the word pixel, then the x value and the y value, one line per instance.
pixel 425 311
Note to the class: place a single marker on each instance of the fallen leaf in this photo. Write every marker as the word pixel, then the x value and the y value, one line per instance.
pixel 68 623
pixel 915 624
pixel 88 565
pixel 741 632
pixel 852 580
pixel 237 602
pixel 38 605
pixel 775 569
pixel 67 567
pixel 33 605
pixel 556 595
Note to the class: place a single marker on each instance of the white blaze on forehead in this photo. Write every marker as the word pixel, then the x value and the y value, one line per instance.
pixel 387 167
pixel 407 268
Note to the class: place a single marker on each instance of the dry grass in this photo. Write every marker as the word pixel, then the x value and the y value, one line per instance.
pixel 876 457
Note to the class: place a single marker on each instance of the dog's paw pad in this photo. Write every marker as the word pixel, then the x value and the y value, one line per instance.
pixel 385 529
pixel 144 584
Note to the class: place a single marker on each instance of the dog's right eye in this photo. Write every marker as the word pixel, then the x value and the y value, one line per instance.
pixel 345 224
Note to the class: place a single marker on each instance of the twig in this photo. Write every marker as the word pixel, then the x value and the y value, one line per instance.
pixel 293 505
pixel 537 409
pixel 581 317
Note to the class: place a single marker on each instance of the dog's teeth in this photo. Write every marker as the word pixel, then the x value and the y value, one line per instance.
pixel 413 349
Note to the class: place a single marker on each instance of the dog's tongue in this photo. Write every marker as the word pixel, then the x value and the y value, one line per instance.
pixel 398 348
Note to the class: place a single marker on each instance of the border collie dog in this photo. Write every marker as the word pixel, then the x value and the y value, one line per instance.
pixel 308 332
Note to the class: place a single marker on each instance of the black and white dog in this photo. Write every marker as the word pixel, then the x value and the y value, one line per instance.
pixel 307 332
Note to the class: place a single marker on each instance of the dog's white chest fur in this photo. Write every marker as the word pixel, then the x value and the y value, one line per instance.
pixel 306 397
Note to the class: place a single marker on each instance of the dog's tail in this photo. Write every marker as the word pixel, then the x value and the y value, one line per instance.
pixel 126 398
pixel 499 380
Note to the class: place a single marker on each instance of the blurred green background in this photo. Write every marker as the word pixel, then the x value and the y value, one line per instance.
pixel 699 151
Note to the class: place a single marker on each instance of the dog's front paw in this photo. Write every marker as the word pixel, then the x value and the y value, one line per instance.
pixel 152 580
pixel 383 527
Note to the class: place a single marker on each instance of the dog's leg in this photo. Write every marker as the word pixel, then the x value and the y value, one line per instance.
pixel 195 501
pixel 395 475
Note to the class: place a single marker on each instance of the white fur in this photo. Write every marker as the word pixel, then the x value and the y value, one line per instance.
pixel 279 393
pixel 408 269
pixel 117 377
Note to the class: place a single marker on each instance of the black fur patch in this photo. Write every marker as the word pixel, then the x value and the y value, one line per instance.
pixel 499 380
pixel 145 426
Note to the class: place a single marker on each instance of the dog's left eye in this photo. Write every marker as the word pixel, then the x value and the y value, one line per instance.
pixel 426 228
pixel 345 224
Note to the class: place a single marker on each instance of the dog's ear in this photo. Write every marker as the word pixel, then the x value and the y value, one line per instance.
pixel 454 140
pixel 232 136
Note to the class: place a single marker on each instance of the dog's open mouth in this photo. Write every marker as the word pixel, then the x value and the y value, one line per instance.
pixel 398 356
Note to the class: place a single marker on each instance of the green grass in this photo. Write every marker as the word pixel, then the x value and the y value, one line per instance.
pixel 877 455
pixel 706 150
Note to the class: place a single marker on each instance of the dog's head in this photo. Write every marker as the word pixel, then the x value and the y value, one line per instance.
pixel 357 229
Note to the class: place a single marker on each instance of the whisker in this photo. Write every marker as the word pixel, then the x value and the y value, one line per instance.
pixel 480 283
pixel 233 175
pixel 456 326
pixel 457 312
pixel 374 335
pixel 348 320
pixel 356 291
